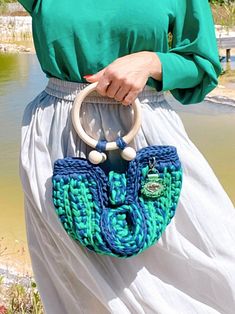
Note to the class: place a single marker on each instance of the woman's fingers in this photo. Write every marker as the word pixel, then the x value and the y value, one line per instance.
pixel 122 93
pixel 130 97
pixel 102 86
pixel 112 89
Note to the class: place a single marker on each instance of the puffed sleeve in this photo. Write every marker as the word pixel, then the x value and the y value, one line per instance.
pixel 28 5
pixel 190 69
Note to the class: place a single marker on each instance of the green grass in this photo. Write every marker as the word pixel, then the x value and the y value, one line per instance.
pixel 18 298
pixel 18 294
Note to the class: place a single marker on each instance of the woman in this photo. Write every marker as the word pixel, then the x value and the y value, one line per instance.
pixel 124 44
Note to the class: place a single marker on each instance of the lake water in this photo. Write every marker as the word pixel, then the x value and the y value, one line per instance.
pixel 210 126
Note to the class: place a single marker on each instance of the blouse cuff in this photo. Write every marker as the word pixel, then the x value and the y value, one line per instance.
pixel 178 71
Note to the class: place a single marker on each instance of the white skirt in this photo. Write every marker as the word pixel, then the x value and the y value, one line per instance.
pixel 192 267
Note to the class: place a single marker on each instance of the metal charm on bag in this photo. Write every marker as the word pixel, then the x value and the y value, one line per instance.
pixel 153 186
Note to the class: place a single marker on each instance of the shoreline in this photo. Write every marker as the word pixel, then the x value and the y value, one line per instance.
pixel 222 95
pixel 11 275
pixel 14 48
pixel 14 28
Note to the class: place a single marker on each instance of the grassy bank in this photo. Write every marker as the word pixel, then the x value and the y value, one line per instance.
pixel 12 8
pixel 15 28
pixel 224 15
pixel 20 296
pixel 18 292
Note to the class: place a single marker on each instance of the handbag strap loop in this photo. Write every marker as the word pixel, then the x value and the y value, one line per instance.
pixel 101 145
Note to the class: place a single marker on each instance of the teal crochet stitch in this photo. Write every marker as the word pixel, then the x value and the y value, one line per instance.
pixel 118 214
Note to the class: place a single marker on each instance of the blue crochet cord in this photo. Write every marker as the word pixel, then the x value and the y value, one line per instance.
pixel 101 146
pixel 121 143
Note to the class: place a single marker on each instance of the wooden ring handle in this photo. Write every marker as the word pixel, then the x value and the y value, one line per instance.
pixel 91 141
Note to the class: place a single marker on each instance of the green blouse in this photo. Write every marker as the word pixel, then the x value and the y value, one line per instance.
pixel 73 38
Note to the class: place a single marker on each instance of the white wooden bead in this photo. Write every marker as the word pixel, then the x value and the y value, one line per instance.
pixel 104 156
pixel 95 157
pixel 128 153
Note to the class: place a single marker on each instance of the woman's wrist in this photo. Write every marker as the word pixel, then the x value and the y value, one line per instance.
pixel 154 66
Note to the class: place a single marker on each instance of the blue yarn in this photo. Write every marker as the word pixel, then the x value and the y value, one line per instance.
pixel 121 143
pixel 101 145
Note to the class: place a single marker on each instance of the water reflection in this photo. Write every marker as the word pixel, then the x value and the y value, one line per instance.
pixel 20 81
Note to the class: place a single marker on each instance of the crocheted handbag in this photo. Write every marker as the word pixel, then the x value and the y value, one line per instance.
pixel 117 213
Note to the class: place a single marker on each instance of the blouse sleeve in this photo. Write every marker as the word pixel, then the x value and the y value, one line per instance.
pixel 28 5
pixel 190 69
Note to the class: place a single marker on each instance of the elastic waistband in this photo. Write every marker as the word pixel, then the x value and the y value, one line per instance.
pixel 68 91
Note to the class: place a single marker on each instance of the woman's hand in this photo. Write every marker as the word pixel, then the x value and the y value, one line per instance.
pixel 125 78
